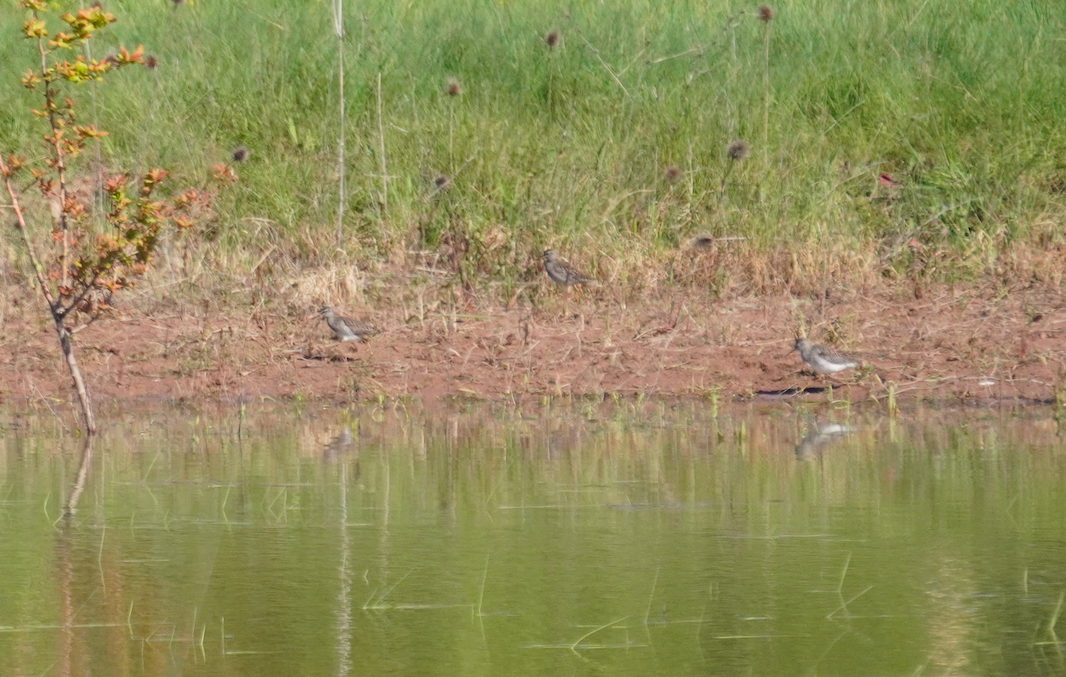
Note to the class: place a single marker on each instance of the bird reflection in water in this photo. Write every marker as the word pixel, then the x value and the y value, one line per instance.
pixel 820 436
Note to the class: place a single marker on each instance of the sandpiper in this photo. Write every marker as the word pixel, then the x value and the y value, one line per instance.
pixel 821 359
pixel 346 328
pixel 562 272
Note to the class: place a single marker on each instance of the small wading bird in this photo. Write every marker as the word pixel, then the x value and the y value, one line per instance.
pixel 562 272
pixel 346 328
pixel 821 359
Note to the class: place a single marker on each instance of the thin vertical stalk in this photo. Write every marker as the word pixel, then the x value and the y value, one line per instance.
pixel 338 29
pixel 60 165
pixel 551 111
pixel 766 93
pixel 384 174
pixel 98 169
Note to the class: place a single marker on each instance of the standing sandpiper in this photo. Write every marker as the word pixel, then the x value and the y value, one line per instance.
pixel 346 328
pixel 562 272
pixel 821 359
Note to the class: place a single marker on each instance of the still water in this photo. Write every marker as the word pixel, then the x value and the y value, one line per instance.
pixel 624 539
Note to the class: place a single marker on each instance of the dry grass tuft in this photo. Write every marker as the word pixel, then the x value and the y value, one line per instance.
pixel 335 284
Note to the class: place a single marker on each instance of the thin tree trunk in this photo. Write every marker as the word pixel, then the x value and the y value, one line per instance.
pixel 53 307
pixel 75 375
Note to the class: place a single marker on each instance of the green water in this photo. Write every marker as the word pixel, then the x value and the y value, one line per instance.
pixel 614 540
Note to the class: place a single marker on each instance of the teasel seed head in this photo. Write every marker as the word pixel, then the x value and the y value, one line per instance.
pixel 738 150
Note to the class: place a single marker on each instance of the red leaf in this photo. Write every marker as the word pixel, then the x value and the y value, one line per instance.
pixel 887 180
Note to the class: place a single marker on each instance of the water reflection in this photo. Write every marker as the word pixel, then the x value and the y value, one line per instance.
pixel 820 436
pixel 84 464
pixel 618 539
pixel 339 445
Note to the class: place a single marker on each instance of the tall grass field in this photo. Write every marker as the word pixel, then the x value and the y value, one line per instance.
pixel 799 141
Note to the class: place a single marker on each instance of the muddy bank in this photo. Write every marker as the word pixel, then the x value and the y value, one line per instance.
pixel 951 345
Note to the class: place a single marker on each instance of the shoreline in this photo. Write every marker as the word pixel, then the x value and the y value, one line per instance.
pixel 950 347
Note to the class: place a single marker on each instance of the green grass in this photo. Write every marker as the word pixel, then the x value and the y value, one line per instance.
pixel 962 103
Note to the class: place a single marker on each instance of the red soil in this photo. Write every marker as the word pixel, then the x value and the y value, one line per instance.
pixel 946 346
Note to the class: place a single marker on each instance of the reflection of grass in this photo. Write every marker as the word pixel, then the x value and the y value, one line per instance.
pixel 376 601
pixel 577 644
pixel 619 478
pixel 1053 638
